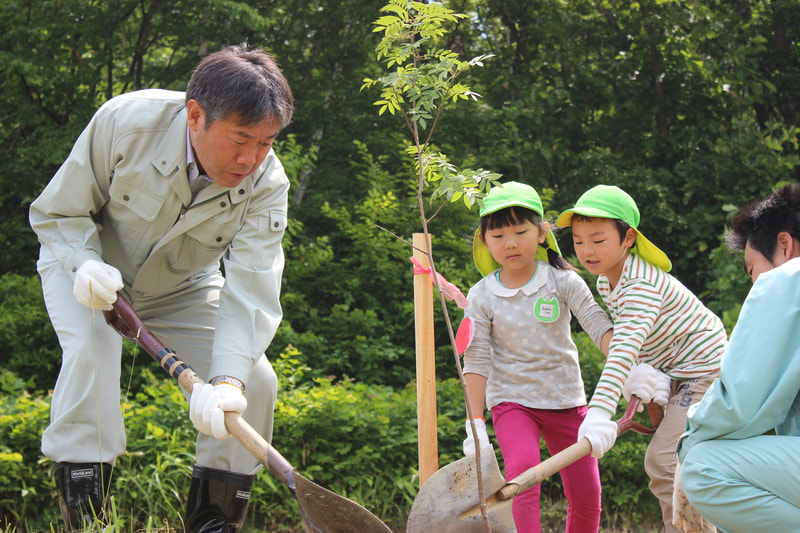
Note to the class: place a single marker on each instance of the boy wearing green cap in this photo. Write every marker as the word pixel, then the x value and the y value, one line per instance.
pixel 666 345
pixel 522 362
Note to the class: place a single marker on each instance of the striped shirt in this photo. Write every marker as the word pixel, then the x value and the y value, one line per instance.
pixel 658 321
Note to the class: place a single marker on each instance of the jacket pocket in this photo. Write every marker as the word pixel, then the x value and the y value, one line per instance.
pixel 132 210
pixel 204 244
pixel 141 202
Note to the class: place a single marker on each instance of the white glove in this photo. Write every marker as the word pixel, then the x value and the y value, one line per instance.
pixel 684 516
pixel 483 437
pixel 96 285
pixel 208 405
pixel 663 384
pixel 599 429
pixel 642 381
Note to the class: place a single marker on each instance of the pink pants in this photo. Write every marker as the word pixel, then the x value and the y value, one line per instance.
pixel 518 429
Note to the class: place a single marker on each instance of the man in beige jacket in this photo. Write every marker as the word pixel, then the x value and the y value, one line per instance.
pixel 161 192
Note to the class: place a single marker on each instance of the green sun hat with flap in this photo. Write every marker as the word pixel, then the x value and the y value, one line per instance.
pixel 511 194
pixel 608 201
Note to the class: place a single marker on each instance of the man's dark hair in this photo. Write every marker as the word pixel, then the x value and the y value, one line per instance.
pixel 760 221
pixel 241 83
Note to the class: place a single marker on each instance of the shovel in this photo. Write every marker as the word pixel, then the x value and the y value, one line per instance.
pixel 449 503
pixel 323 511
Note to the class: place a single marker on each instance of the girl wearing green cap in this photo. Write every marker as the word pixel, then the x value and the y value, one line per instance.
pixel 522 362
pixel 666 345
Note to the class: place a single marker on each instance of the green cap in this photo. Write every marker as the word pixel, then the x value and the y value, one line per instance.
pixel 511 194
pixel 608 201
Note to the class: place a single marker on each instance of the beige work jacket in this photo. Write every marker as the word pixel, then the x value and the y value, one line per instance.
pixel 123 197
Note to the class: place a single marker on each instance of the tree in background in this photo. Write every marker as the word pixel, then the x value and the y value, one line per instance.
pixel 677 102
pixel 691 106
pixel 688 105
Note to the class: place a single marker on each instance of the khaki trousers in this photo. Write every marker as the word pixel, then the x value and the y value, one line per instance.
pixel 86 423
pixel 661 459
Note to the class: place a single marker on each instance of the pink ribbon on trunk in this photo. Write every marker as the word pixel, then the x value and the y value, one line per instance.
pixel 450 291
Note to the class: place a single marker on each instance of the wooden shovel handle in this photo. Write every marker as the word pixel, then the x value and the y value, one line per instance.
pixel 124 319
pixel 627 422
pixel 656 413
pixel 567 456
pixel 545 469
pixel 127 323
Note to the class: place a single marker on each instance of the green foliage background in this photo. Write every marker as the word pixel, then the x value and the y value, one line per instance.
pixel 688 105
pixel 356 439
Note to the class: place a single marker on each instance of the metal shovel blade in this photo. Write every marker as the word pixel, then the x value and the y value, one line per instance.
pixel 322 510
pixel 327 512
pixel 447 501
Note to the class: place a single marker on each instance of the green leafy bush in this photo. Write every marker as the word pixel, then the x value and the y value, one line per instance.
pixel 150 479
pixel 30 345
pixel 357 439
pixel 26 492
pixel 348 295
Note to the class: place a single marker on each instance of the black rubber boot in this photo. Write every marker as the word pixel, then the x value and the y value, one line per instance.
pixel 82 493
pixel 217 501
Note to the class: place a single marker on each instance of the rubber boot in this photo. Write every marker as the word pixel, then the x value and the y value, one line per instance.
pixel 83 490
pixel 217 500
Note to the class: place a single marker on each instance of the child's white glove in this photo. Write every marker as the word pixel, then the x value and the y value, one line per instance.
pixel 684 516
pixel 599 429
pixel 96 285
pixel 642 382
pixel 663 383
pixel 208 404
pixel 483 437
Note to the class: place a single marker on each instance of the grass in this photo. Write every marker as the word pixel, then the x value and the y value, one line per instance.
pixel 554 512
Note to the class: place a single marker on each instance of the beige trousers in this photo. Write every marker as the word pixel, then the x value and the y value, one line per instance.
pixel 86 423
pixel 661 459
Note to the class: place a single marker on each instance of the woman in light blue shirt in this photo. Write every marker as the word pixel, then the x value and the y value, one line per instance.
pixel 741 451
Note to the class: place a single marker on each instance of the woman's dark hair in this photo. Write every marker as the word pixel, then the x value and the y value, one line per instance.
pixel 760 221
pixel 519 215
pixel 241 83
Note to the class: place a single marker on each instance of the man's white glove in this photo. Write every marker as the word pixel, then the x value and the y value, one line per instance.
pixel 483 437
pixel 684 516
pixel 96 285
pixel 642 381
pixel 599 429
pixel 663 384
pixel 208 404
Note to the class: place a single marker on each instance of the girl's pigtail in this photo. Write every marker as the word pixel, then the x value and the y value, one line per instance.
pixel 556 261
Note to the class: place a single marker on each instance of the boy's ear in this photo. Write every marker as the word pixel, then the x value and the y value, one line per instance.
pixel 630 238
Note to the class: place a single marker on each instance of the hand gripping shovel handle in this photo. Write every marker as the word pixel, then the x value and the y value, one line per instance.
pixel 322 511
pixel 124 319
pixel 567 456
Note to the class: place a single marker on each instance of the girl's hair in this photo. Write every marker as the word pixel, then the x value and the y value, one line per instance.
pixel 622 226
pixel 760 221
pixel 518 215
